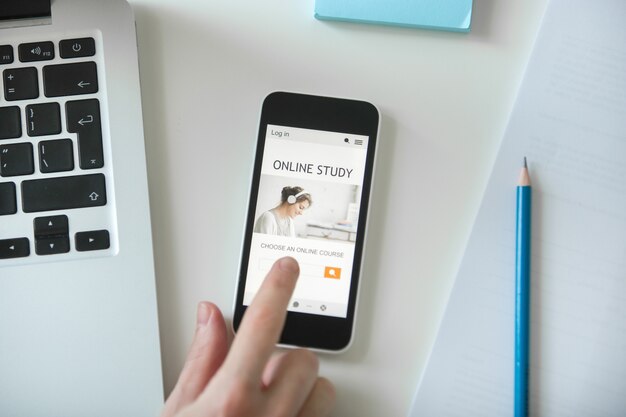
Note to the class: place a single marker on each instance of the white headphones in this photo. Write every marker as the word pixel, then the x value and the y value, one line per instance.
pixel 293 198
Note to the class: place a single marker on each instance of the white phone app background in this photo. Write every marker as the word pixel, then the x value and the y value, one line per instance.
pixel 329 166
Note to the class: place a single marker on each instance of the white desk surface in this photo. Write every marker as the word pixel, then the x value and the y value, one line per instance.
pixel 445 100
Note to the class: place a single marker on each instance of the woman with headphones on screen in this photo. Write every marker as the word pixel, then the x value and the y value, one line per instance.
pixel 279 220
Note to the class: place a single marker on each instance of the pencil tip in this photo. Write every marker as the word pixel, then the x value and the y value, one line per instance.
pixel 525 165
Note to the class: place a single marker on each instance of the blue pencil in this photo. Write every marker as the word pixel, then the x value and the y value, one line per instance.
pixel 522 293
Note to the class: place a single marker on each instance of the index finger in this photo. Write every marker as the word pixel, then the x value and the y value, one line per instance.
pixel 263 321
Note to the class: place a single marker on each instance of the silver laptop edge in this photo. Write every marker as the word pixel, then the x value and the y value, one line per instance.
pixel 79 331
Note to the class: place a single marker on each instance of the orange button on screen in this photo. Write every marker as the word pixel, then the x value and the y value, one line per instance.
pixel 332 272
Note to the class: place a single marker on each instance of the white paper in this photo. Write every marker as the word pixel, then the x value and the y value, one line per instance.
pixel 570 121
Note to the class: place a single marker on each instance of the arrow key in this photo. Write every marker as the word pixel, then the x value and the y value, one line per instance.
pixel 92 240
pixel 51 235
pixel 14 248
pixel 51 226
pixel 52 245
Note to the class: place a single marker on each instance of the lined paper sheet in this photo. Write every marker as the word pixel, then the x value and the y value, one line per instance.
pixel 570 121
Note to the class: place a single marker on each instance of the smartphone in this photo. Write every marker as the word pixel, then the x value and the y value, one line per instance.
pixel 309 199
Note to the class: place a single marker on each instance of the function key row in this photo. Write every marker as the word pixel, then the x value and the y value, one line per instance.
pixel 58 80
pixel 44 50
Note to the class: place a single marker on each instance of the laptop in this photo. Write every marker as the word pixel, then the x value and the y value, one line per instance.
pixel 78 314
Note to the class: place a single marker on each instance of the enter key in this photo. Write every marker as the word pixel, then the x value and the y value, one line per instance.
pixel 83 118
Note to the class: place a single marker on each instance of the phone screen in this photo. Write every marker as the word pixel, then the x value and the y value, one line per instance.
pixel 307 207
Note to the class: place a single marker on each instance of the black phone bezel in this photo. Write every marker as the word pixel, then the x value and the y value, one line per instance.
pixel 318 113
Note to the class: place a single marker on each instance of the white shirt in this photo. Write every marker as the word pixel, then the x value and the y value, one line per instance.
pixel 271 224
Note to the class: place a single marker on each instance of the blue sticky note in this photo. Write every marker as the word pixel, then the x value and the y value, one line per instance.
pixel 454 15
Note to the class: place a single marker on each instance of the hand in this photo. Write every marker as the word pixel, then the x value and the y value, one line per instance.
pixel 250 380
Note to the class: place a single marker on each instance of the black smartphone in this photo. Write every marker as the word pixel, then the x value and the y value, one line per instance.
pixel 309 199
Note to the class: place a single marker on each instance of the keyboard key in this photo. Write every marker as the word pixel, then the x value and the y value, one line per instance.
pixel 56 155
pixel 70 79
pixel 74 48
pixel 63 193
pixel 52 245
pixel 6 54
pixel 14 248
pixel 51 235
pixel 16 159
pixel 50 226
pixel 36 51
pixel 20 83
pixel 8 203
pixel 10 123
pixel 43 119
pixel 93 240
pixel 83 118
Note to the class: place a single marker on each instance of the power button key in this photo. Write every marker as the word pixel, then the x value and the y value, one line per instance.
pixel 75 48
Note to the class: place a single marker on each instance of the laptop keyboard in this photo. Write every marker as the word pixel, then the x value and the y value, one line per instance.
pixel 54 172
